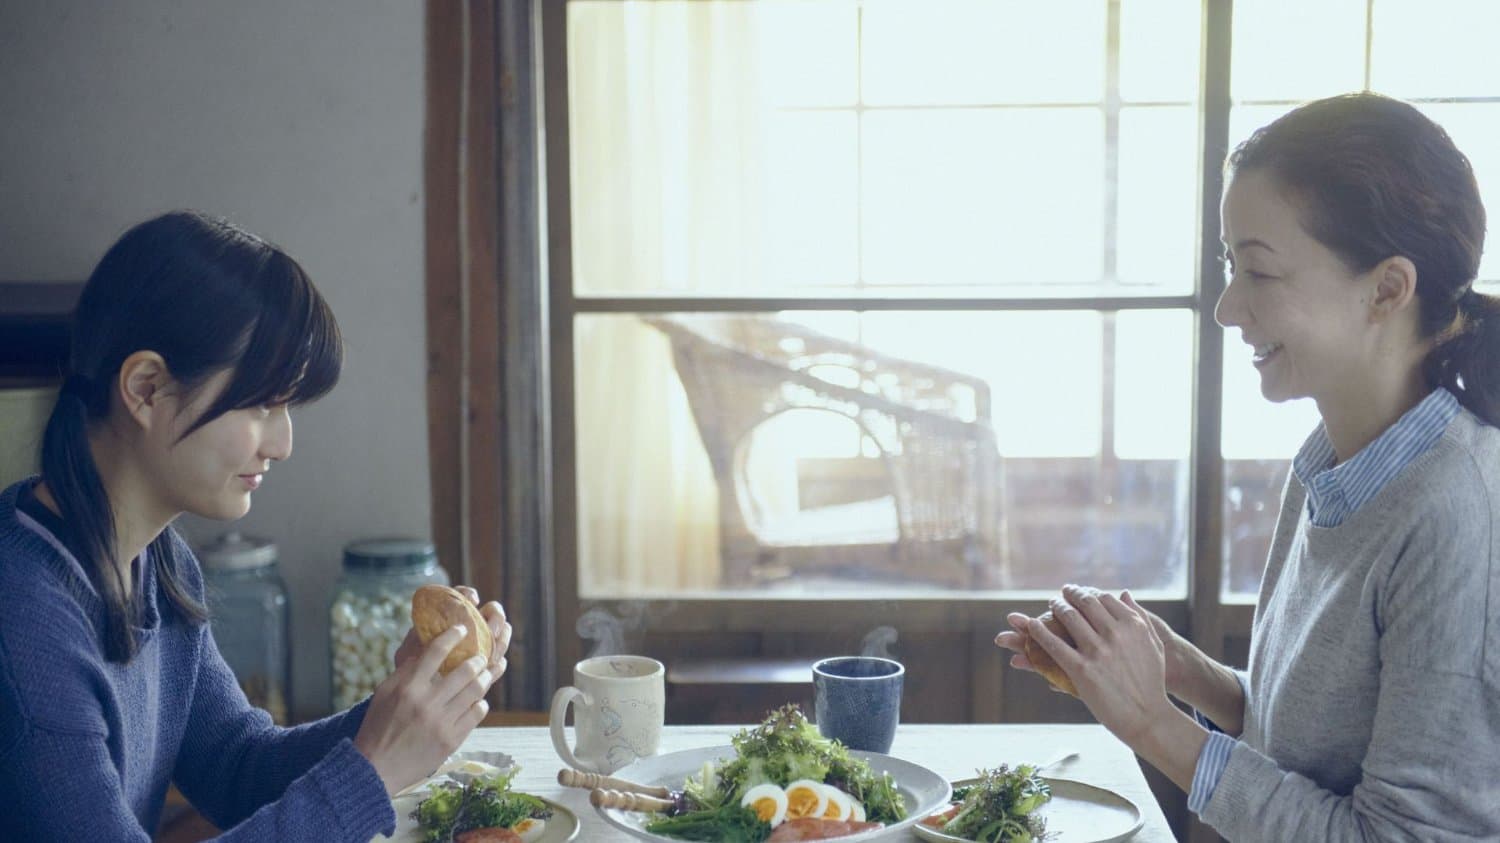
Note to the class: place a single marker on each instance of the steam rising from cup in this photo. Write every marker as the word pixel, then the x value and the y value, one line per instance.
pixel 878 642
pixel 608 631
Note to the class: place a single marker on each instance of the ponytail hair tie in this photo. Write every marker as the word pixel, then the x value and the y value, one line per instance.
pixel 1475 306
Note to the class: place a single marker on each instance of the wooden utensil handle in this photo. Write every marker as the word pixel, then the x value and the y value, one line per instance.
pixel 604 798
pixel 593 781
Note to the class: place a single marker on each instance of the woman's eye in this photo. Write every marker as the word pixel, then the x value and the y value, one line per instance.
pixel 1231 272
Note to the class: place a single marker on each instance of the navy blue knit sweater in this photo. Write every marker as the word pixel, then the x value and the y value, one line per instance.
pixel 88 746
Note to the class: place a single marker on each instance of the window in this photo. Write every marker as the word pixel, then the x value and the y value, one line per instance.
pixel 866 303
pixel 877 297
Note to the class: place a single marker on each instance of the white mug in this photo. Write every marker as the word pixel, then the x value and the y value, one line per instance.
pixel 618 704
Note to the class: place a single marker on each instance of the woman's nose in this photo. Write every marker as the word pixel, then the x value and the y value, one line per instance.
pixel 278 442
pixel 1229 311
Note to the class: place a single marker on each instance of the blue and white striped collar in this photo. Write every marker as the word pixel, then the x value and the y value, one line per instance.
pixel 1334 492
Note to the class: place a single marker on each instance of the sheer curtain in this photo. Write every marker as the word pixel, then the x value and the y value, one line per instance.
pixel 666 138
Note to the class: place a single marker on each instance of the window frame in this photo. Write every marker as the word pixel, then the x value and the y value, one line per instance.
pixel 1203 614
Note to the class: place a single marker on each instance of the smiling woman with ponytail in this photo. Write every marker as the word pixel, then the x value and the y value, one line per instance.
pixel 191 342
pixel 1370 710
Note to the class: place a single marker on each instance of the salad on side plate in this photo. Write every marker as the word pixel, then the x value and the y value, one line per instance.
pixel 1000 806
pixel 481 810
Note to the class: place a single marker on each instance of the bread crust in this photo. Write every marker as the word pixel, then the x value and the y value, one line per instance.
pixel 1044 663
pixel 436 608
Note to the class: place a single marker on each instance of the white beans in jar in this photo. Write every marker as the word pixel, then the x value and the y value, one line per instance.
pixel 366 632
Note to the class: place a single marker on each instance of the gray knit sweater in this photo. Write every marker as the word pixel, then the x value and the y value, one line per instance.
pixel 1373 711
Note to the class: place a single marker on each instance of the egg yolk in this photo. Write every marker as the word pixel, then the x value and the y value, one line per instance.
pixel 833 811
pixel 801 802
pixel 764 809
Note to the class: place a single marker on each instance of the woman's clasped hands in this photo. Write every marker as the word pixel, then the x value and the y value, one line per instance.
pixel 1119 662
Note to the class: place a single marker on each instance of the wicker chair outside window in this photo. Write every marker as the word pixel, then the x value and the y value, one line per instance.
pixel 941 522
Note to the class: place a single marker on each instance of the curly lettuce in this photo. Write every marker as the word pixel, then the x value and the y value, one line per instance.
pixel 485 802
pixel 786 747
pixel 1001 807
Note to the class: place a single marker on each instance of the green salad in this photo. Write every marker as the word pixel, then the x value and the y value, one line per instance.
pixel 783 769
pixel 485 802
pixel 1000 807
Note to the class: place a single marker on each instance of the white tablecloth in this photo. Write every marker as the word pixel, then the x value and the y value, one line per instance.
pixel 954 751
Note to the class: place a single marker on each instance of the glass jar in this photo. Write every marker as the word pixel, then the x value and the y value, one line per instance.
pixel 249 615
pixel 371 611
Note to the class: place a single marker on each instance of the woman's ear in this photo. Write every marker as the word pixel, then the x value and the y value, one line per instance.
pixel 142 384
pixel 1395 281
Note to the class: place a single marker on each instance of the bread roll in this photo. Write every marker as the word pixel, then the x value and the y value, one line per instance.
pixel 1044 664
pixel 437 608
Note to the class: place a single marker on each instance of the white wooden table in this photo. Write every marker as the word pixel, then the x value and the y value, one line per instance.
pixel 954 752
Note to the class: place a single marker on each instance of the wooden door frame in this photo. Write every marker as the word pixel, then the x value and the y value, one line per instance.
pixel 486 346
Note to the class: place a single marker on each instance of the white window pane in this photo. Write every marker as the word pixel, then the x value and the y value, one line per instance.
pixel 1252 501
pixel 1254 428
pixel 1153 384
pixel 1158 197
pixel 636 437
pixel 666 155
pixel 1475 128
pixel 983 196
pixel 1159 50
pixel 1297 51
pixel 812 182
pixel 1043 369
pixel 1435 48
pixel 812 509
pixel 810 52
pixel 963 51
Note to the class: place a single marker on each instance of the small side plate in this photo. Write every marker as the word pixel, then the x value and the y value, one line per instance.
pixel 1076 813
pixel 561 827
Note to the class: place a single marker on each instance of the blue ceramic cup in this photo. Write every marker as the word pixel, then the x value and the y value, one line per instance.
pixel 857 700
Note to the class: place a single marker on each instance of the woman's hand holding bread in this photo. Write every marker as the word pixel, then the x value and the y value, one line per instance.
pixel 1178 656
pixel 1116 661
pixel 1188 673
pixel 423 711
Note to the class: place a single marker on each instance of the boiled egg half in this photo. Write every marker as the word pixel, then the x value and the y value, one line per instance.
pixel 806 798
pixel 768 801
pixel 840 804
pixel 530 829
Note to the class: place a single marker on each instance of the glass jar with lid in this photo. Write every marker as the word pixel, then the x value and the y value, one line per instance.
pixel 249 615
pixel 371 611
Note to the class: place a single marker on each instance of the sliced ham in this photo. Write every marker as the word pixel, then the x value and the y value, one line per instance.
pixel 812 828
pixel 941 818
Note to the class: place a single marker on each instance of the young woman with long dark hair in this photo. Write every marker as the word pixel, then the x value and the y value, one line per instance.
pixel 191 342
